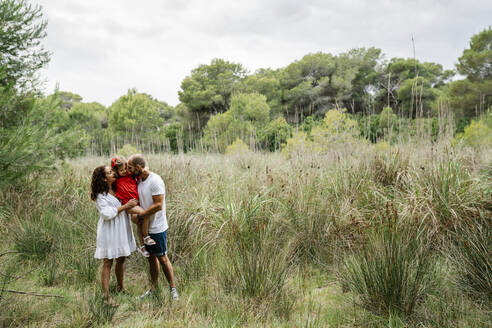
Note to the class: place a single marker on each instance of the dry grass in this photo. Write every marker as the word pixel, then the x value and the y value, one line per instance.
pixel 255 239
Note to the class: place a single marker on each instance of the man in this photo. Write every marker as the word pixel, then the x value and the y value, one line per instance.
pixel 151 191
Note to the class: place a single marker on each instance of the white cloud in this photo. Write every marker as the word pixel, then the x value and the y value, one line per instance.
pixel 102 48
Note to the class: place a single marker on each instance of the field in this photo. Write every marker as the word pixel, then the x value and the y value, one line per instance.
pixel 360 236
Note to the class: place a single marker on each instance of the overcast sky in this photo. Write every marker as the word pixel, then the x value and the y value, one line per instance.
pixel 103 48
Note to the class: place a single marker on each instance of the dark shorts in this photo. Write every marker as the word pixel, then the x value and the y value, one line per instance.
pixel 160 247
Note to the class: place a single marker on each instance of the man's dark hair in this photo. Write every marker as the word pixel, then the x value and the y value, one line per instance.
pixel 137 159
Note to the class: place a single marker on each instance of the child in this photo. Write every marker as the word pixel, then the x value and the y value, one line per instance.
pixel 126 189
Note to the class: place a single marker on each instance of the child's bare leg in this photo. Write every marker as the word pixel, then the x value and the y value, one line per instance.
pixel 145 231
pixel 133 212
pixel 140 234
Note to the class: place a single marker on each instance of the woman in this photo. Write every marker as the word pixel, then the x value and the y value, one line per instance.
pixel 114 231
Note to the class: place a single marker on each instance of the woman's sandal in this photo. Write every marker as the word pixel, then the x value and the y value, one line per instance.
pixel 148 241
pixel 143 251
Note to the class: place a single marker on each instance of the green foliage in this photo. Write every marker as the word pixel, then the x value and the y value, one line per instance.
pixel 314 82
pixel 70 139
pixel 416 96
pixel 175 134
pixel 338 127
pixel 248 114
pixel 26 148
pixel 310 122
pixel 405 79
pixel 298 144
pixel 127 150
pixel 267 83
pixel 209 88
pixel 222 129
pixel 368 62
pixel 387 119
pixel 468 98
pixel 67 99
pixel 274 134
pixel 135 113
pixel 369 127
pixel 21 52
pixel 476 135
pixel 476 62
pixel 88 116
pixel 237 147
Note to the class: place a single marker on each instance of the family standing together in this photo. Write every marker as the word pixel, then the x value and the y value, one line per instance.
pixel 125 192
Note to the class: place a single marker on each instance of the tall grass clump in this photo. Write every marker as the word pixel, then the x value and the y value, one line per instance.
pixel 100 311
pixel 385 168
pixel 393 271
pixel 255 263
pixel 34 240
pixel 471 254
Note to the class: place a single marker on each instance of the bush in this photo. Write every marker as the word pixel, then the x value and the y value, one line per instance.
pixel 34 241
pixel 26 148
pixel 476 135
pixel 298 144
pixel 393 271
pixel 387 119
pixel 470 253
pixel 275 134
pixel 255 263
pixel 237 147
pixel 127 150
pixel 247 115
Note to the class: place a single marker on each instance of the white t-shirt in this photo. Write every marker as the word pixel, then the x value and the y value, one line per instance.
pixel 147 188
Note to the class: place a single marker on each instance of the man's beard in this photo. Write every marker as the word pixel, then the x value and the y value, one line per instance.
pixel 137 173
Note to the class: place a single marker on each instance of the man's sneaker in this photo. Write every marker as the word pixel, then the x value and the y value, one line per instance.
pixel 174 294
pixel 147 294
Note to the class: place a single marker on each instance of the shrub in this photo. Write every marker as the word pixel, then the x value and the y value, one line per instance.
pixel 237 147
pixel 393 271
pixel 247 114
pixel 470 253
pixel 127 150
pixel 387 119
pixel 274 134
pixel 476 135
pixel 26 148
pixel 34 241
pixel 338 127
pixel 255 263
pixel 298 144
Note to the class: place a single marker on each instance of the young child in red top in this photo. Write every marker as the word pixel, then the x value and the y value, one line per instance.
pixel 126 189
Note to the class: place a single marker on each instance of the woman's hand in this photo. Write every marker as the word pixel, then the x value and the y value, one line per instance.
pixel 131 203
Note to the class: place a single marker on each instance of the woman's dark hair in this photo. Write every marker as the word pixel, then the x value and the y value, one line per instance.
pixel 99 184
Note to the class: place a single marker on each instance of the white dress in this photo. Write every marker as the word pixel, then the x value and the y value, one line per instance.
pixel 114 231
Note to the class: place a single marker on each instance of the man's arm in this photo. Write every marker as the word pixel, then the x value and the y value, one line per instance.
pixel 156 207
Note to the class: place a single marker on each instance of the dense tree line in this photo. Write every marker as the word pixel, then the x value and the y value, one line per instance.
pixel 222 101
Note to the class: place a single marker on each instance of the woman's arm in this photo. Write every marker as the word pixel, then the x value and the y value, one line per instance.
pixel 109 211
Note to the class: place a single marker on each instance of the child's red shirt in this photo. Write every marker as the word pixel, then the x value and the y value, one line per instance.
pixel 126 189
